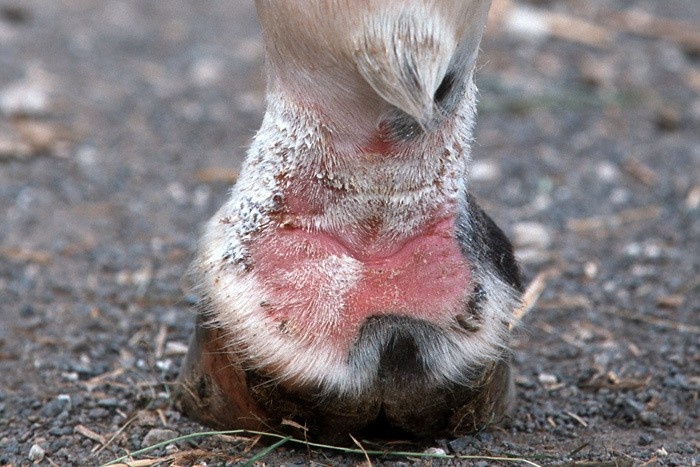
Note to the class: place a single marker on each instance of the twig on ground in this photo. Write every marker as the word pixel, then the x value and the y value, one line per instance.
pixel 660 322
pixel 577 418
pixel 217 174
pixel 615 221
pixel 160 341
pixel 683 33
pixel 542 23
pixel 88 433
pixel 92 383
pixel 26 255
pixel 362 448
pixel 114 436
pixel 531 295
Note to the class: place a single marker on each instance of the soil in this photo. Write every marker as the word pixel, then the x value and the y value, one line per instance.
pixel 123 123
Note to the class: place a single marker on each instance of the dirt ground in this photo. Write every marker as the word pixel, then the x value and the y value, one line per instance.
pixel 123 123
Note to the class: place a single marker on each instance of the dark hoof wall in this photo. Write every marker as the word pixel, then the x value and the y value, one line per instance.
pixel 216 390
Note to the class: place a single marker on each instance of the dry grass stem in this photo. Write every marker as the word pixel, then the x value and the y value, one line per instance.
pixel 660 322
pixel 531 295
pixel 88 433
pixel 684 33
pixel 362 448
pixel 217 175
pixel 556 24
pixel 613 222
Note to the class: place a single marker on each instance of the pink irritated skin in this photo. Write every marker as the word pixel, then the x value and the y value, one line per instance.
pixel 427 278
pixel 423 275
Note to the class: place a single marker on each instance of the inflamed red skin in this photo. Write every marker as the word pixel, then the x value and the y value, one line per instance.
pixel 350 283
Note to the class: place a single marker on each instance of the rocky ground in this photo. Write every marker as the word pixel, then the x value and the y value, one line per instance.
pixel 123 123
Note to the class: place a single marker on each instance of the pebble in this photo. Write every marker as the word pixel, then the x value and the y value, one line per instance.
pixel 109 402
pixel 9 446
pixel 435 451
pixel 36 453
pixel 56 406
pixel 171 449
pixel 24 98
pixel 634 407
pixel 460 444
pixel 531 234
pixel 157 435
pixel 484 171
pixel 206 71
pixel 532 241
pixel 547 379
pixel 607 171
pixel 645 439
pixel 649 418
pixel 98 413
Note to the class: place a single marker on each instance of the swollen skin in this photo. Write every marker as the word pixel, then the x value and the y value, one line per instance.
pixel 350 282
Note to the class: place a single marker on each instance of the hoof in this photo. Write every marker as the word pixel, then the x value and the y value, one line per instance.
pixel 216 389
pixel 212 386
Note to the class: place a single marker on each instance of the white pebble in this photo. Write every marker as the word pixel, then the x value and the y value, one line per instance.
pixel 484 171
pixel 531 234
pixel 23 98
pixel 36 453
pixel 547 379
pixel 435 451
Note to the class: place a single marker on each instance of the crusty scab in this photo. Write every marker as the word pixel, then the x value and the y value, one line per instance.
pixel 350 270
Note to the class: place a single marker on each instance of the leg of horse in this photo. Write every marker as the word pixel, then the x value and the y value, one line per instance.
pixel 351 282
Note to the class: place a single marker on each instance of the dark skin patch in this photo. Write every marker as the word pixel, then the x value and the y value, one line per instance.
pixel 445 89
pixel 399 359
pixel 483 241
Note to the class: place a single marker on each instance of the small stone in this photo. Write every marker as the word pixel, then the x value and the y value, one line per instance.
pixel 36 453
pixel 547 379
pixel 56 406
pixel 484 171
pixel 460 444
pixel 71 376
pixel 98 413
pixel 649 418
pixel 590 269
pixel 678 381
pixel 9 446
pixel 435 451
pixel 531 234
pixel 171 449
pixel 110 402
pixel 27 311
pixel 534 256
pixel 645 439
pixel 634 406
pixel 607 171
pixel 147 418
pixel 157 435
pixel 206 71
pixel 24 98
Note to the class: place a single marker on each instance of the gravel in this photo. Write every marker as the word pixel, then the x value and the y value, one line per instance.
pixel 122 126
